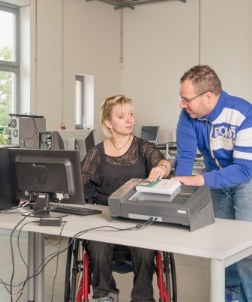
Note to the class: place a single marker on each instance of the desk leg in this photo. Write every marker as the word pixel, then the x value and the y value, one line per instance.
pixel 31 263
pixel 39 260
pixel 217 281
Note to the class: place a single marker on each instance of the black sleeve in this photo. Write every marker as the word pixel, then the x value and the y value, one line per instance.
pixel 90 174
pixel 151 154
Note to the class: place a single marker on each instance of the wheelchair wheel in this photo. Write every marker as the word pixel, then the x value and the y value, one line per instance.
pixel 170 275
pixel 68 272
pixel 73 271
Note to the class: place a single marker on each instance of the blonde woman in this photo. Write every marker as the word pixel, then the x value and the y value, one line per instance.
pixel 106 167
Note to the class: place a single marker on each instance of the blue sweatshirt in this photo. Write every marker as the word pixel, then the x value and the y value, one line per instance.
pixel 224 137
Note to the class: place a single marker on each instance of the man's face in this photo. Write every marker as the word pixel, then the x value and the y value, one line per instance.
pixel 197 105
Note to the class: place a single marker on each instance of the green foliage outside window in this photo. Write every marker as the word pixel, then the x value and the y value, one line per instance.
pixel 5 89
pixel 3 136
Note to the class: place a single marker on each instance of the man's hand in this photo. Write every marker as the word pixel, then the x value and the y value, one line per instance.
pixel 197 180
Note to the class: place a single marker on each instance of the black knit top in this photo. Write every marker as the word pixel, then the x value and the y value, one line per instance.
pixel 103 174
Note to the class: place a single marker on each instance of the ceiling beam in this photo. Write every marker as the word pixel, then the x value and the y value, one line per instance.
pixel 119 4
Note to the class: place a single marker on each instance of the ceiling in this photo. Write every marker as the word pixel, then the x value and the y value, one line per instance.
pixel 118 4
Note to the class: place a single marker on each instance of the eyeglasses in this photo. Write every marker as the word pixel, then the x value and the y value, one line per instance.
pixel 187 100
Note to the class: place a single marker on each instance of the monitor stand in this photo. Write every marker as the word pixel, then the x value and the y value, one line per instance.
pixel 41 208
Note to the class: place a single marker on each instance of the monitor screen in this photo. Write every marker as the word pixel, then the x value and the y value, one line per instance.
pixel 7 185
pixel 54 175
pixel 149 133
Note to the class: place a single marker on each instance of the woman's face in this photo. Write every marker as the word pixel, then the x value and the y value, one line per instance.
pixel 121 120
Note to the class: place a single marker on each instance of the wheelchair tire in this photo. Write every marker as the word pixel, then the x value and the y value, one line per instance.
pixel 73 269
pixel 170 275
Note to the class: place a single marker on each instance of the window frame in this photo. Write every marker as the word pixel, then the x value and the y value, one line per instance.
pixel 13 66
pixel 79 103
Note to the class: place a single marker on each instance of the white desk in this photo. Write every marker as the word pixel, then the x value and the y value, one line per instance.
pixel 224 242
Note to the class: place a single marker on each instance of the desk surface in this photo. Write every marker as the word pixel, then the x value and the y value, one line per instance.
pixel 221 240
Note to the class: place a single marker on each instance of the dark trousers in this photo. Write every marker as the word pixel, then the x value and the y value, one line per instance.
pixel 102 256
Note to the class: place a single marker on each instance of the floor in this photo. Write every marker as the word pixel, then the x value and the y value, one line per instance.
pixel 192 273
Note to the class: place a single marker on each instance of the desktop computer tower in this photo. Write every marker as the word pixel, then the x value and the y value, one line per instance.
pixel 50 140
pixel 23 130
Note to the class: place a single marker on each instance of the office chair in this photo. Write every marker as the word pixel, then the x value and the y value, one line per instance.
pixel 78 273
pixel 90 141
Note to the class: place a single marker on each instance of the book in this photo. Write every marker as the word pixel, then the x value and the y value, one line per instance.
pixel 163 186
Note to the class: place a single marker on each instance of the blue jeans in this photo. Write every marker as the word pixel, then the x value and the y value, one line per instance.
pixel 236 203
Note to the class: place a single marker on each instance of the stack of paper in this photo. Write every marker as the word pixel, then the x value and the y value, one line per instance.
pixel 164 186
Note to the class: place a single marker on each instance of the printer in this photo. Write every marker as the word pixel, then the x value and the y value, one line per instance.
pixel 190 207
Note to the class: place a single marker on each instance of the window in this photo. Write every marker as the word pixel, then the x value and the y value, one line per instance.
pixel 84 101
pixel 79 102
pixel 9 62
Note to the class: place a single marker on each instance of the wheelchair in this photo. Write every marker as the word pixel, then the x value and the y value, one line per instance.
pixel 78 273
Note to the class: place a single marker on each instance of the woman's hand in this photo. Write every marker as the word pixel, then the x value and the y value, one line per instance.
pixel 157 173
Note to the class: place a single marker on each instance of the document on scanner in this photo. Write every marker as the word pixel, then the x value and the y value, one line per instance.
pixel 163 186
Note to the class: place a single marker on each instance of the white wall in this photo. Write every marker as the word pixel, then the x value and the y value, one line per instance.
pixel 227 43
pixel 89 45
pixel 163 40
pixel 160 41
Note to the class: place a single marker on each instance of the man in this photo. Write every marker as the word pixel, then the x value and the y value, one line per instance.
pixel 220 126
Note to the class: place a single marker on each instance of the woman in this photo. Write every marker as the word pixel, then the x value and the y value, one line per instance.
pixel 105 168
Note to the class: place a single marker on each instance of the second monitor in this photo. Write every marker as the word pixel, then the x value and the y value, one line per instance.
pixel 149 133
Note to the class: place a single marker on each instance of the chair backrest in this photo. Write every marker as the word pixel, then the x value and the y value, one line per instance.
pixel 89 141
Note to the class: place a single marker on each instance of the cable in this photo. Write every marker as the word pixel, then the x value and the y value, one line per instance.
pixel 139 226
pixel 12 256
pixel 21 290
pixel 51 256
pixel 109 228
pixel 35 133
pixel 10 285
pixel 57 263
pixel 43 264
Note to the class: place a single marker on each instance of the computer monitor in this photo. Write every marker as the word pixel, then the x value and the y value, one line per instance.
pixel 149 133
pixel 75 140
pixel 89 141
pixel 7 186
pixel 46 176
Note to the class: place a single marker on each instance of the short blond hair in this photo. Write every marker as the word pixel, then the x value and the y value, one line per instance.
pixel 106 109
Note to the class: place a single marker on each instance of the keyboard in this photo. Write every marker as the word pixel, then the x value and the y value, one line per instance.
pixel 76 211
